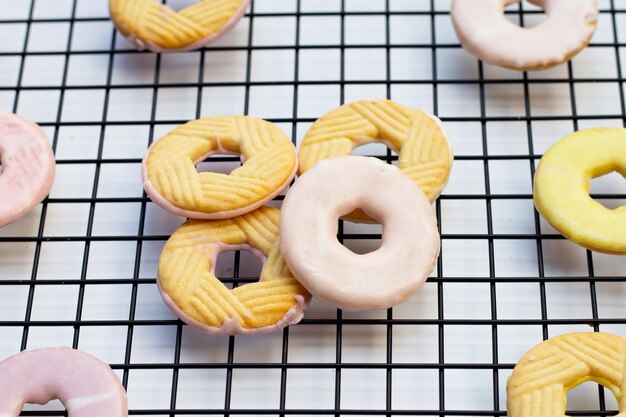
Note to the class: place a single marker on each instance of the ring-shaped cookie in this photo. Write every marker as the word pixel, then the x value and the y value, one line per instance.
pixel 188 284
pixel 329 270
pixel 540 381
pixel 86 386
pixel 487 34
pixel 562 183
pixel 150 24
pixel 27 167
pixel 424 152
pixel 172 181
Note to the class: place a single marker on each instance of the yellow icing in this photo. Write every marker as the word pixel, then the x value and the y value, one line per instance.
pixel 562 184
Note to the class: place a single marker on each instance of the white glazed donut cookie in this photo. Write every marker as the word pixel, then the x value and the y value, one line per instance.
pixel 330 271
pixel 27 167
pixel 487 34
pixel 85 386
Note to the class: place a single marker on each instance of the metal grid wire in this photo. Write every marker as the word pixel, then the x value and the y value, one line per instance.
pixel 530 284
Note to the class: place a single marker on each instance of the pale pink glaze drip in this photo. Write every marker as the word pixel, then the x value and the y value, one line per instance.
pixel 330 271
pixel 86 386
pixel 141 44
pixel 231 326
pixel 158 199
pixel 486 33
pixel 28 167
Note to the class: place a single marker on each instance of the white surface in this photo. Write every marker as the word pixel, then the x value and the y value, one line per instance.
pixel 307 388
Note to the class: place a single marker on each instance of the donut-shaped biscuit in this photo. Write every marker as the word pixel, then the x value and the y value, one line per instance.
pixel 172 181
pixel 562 183
pixel 156 26
pixel 27 167
pixel 541 379
pixel 487 34
pixel 188 284
pixel 330 271
pixel 85 386
pixel 424 152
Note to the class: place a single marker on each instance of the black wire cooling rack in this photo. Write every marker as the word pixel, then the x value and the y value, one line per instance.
pixel 503 282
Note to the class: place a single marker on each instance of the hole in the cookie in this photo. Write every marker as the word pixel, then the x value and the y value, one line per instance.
pixel 219 163
pixel 54 405
pixel 361 238
pixel 610 184
pixel 378 150
pixel 179 5
pixel 584 397
pixel 533 15
pixel 238 267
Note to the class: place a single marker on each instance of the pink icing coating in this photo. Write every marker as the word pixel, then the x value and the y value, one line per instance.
pixel 141 44
pixel 231 326
pixel 86 386
pixel 486 33
pixel 28 167
pixel 158 199
pixel 330 271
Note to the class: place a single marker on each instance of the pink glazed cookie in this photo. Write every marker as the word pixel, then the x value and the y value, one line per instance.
pixel 27 164
pixel 487 34
pixel 85 386
pixel 308 230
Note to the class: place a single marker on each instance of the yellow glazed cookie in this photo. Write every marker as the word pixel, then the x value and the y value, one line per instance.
pixel 189 287
pixel 545 373
pixel 149 24
pixel 562 184
pixel 172 181
pixel 424 153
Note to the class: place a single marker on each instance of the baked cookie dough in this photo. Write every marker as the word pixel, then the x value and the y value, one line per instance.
pixel 540 381
pixel 150 24
pixel 172 181
pixel 424 152
pixel 188 284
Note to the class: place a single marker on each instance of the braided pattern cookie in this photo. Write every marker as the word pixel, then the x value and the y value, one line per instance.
pixel 173 182
pixel 156 26
pixel 189 287
pixel 541 379
pixel 486 33
pixel 424 152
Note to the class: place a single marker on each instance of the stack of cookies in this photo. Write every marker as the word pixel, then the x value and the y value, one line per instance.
pixel 229 212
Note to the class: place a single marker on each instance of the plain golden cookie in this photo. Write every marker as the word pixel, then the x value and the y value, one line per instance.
pixel 150 24
pixel 562 183
pixel 541 379
pixel 172 181
pixel 189 287
pixel 424 153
